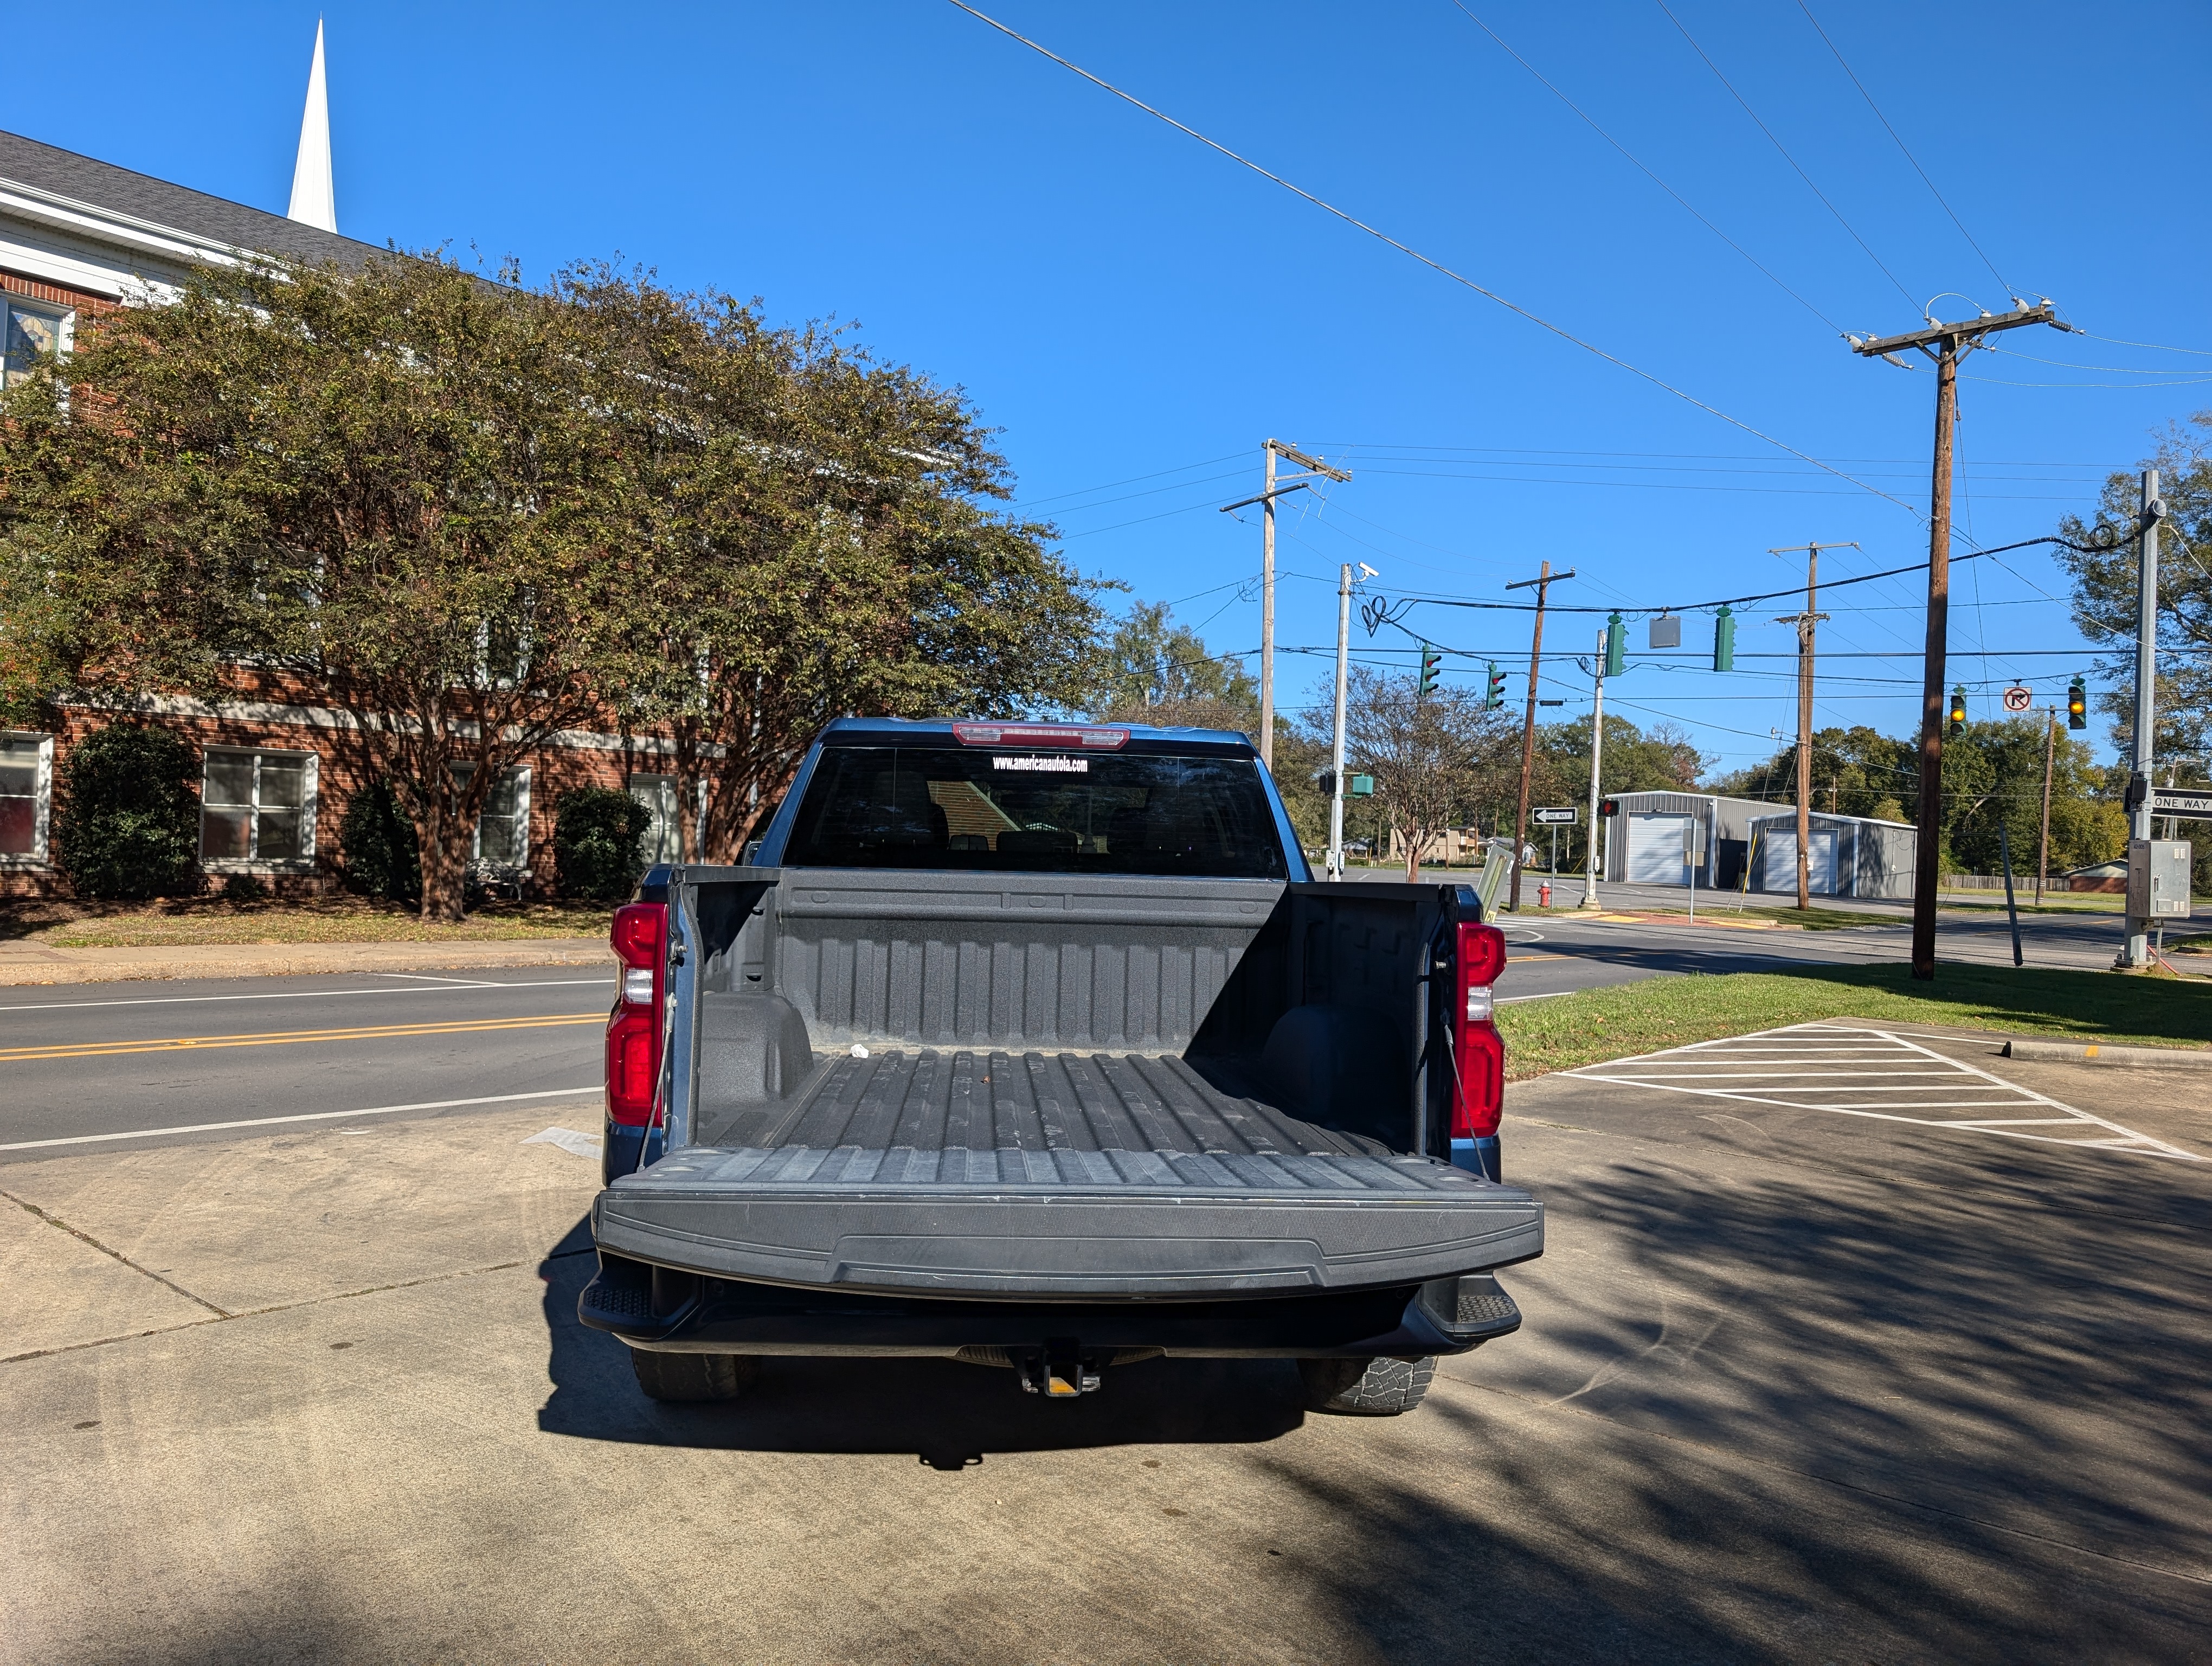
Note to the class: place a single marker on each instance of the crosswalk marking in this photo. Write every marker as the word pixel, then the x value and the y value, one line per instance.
pixel 1882 1074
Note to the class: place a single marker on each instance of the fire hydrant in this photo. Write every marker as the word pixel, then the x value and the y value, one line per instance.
pixel 1544 895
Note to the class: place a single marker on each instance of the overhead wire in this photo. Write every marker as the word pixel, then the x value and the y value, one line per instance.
pixel 1636 161
pixel 1902 147
pixel 1781 147
pixel 1434 265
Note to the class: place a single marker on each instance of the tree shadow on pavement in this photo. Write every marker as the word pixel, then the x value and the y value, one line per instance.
pixel 948 1414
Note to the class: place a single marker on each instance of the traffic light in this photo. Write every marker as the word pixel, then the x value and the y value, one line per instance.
pixel 1608 806
pixel 1958 710
pixel 1616 645
pixel 1432 666
pixel 1493 694
pixel 1724 639
pixel 2077 705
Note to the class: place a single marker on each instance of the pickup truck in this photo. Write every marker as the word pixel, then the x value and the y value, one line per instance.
pixel 1037 1046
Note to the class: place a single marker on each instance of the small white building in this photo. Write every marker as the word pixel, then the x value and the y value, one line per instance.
pixel 1658 838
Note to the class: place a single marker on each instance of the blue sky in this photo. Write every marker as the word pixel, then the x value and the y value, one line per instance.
pixel 1138 313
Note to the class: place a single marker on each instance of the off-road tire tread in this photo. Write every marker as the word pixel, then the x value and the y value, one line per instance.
pixel 692 1377
pixel 1385 1388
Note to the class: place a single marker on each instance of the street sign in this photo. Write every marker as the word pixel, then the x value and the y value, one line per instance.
pixel 2018 699
pixel 2190 803
pixel 1568 815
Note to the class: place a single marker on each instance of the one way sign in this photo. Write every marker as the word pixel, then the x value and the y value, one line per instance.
pixel 2190 803
pixel 1567 815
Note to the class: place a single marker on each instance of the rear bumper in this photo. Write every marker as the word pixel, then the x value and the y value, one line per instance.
pixel 686 1314
pixel 1065 1226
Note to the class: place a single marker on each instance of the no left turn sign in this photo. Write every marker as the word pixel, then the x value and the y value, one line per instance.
pixel 2018 699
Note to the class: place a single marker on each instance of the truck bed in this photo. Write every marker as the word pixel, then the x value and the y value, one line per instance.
pixel 1075 1174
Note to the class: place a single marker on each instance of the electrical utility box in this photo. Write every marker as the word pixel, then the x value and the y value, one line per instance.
pixel 2158 878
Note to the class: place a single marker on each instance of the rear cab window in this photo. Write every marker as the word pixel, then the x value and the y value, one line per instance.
pixel 932 803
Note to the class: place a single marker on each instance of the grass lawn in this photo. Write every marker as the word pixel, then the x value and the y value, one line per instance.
pixel 1629 1018
pixel 203 920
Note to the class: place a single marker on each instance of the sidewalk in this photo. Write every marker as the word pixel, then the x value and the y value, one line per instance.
pixel 24 963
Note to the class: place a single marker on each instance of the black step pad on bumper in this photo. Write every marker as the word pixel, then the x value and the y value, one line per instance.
pixel 1065 1223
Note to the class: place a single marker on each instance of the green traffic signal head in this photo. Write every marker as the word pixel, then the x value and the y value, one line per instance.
pixel 1616 645
pixel 1493 694
pixel 1958 709
pixel 2077 705
pixel 1724 639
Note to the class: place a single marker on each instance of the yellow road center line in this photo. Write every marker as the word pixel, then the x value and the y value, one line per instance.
pixel 283 1037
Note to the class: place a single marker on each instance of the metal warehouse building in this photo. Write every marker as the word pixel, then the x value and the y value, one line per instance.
pixel 1657 836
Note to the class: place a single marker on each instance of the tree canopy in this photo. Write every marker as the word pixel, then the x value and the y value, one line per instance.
pixel 471 516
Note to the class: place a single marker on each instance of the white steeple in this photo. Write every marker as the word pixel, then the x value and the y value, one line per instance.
pixel 314 203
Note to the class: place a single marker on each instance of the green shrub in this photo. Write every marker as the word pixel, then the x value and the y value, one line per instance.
pixel 127 814
pixel 598 843
pixel 382 856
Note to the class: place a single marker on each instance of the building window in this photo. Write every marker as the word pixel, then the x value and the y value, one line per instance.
pixel 664 834
pixel 258 807
pixel 31 333
pixel 503 830
pixel 26 774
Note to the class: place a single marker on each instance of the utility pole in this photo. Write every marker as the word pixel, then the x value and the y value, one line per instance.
pixel 1543 582
pixel 2043 844
pixel 1597 752
pixel 1805 622
pixel 2137 954
pixel 1344 584
pixel 1946 343
pixel 1316 470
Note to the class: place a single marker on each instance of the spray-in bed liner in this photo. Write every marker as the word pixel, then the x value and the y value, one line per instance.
pixel 1054 1173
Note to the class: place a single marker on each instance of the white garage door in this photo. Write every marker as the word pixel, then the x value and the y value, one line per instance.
pixel 1656 844
pixel 1778 868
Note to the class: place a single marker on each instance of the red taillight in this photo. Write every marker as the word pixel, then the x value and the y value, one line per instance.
pixel 1479 1096
pixel 640 937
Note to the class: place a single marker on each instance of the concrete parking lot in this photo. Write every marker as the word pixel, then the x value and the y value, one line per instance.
pixel 1846 1348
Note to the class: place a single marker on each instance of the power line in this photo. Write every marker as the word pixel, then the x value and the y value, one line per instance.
pixel 1908 156
pixel 1778 146
pixel 1107 486
pixel 1435 265
pixel 1762 270
pixel 2148 346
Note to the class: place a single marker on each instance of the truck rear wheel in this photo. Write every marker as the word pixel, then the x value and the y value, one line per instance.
pixel 1365 1387
pixel 693 1376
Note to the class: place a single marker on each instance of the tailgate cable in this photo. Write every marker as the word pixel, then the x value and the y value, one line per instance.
pixel 655 1118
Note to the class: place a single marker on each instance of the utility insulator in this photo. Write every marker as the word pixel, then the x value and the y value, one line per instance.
pixel 1432 666
pixel 1959 710
pixel 1616 645
pixel 1724 639
pixel 2077 705
pixel 1493 695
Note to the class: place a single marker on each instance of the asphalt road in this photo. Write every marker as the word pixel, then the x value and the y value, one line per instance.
pixel 84 1063
pixel 201 1060
pixel 1844 1347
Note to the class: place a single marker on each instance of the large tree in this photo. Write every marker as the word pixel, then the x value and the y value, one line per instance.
pixel 1433 757
pixel 389 482
pixel 469 515
pixel 814 535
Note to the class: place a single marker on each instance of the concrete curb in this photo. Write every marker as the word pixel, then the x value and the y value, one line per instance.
pixel 2185 1058
pixel 24 963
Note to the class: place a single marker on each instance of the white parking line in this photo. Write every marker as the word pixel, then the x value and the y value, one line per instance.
pixel 1886 1074
pixel 305 1116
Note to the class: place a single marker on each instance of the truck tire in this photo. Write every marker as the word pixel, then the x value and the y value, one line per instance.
pixel 1365 1387
pixel 693 1376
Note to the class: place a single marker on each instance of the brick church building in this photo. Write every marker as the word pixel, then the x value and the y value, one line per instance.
pixel 78 237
